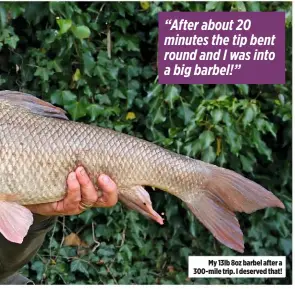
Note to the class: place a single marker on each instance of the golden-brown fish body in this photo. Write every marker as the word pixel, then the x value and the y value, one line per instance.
pixel 37 153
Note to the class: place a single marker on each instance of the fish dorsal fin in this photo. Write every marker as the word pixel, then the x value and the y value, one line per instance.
pixel 32 103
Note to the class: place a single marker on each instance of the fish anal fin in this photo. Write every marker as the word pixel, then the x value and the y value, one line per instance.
pixel 33 104
pixel 15 221
pixel 217 218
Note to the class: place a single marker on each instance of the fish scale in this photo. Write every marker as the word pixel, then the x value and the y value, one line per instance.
pixel 52 148
pixel 39 147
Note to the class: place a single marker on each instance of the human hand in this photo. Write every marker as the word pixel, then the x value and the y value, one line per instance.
pixel 81 195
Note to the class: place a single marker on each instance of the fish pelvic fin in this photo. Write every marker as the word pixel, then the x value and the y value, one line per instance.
pixel 223 193
pixel 15 221
pixel 33 104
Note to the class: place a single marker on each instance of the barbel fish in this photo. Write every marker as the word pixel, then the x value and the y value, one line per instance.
pixel 39 146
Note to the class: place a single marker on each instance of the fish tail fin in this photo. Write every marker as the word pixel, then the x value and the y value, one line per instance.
pixel 218 219
pixel 239 193
pixel 224 193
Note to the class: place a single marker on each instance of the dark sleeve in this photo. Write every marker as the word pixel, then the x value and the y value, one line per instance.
pixel 14 256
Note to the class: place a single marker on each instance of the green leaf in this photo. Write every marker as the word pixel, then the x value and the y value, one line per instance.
pixel 233 139
pixel 159 117
pixel 253 6
pixel 185 252
pixel 12 41
pixel 241 6
pixel 185 112
pixel 54 65
pixel 89 63
pixel 64 25
pixel 76 110
pixel 155 91
pixel 200 113
pixel 3 18
pixel 16 10
pixel 211 5
pixel 281 97
pixel 34 12
pixel 100 72
pixel 127 251
pixel 247 164
pixel 260 145
pixel 208 155
pixel 56 98
pixel 148 72
pixel 94 110
pixel 123 24
pixel 106 251
pixel 63 98
pixel 68 97
pixel 80 266
pixel 42 73
pixel 270 128
pixel 119 94
pixel 87 216
pixel 38 267
pixel 171 95
pixel 286 245
pixel 2 80
pixel 103 99
pixel 217 115
pixel 243 88
pixel 248 116
pixel 81 31
pixel 132 43
pixel 206 138
pixel 77 75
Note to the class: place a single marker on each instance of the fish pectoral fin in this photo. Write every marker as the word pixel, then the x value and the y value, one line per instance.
pixel 138 199
pixel 214 214
pixel 33 104
pixel 15 221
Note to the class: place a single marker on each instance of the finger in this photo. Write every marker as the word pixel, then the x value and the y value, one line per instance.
pixel 70 205
pixel 73 196
pixel 110 192
pixel 88 193
pixel 64 206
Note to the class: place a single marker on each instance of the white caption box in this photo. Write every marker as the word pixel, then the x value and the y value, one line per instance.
pixel 237 267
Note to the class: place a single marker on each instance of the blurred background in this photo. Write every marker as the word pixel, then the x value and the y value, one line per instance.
pixel 99 62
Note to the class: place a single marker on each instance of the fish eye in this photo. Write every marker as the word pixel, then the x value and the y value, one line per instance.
pixel 144 203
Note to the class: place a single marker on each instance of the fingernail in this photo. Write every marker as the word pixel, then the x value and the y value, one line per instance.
pixel 72 176
pixel 105 179
pixel 82 171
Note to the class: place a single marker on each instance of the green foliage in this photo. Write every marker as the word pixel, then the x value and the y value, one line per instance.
pixel 98 62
